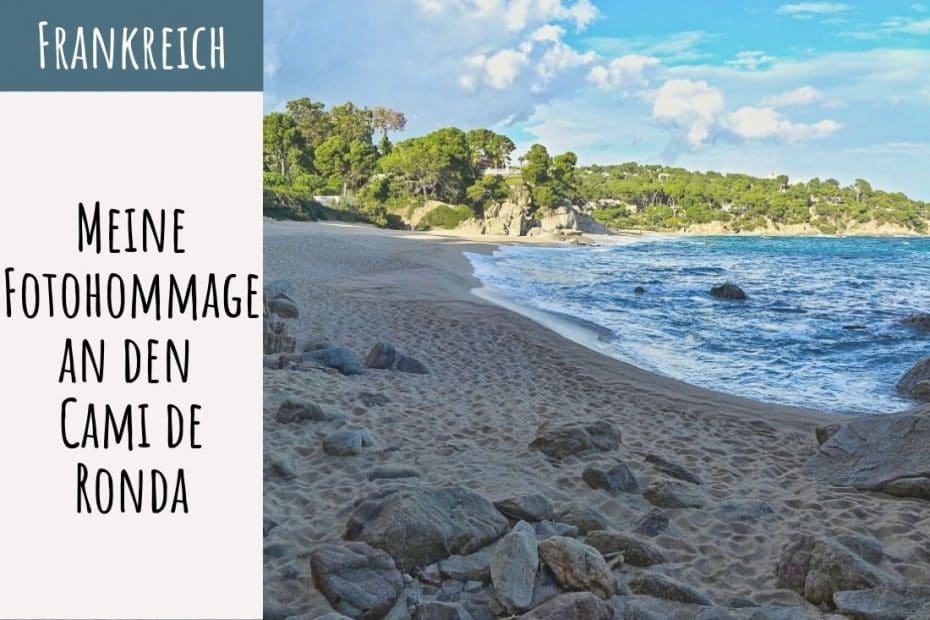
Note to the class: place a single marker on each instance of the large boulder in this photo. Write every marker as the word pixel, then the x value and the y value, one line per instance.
pixel 728 291
pixel 882 603
pixel 420 525
pixel 567 217
pixel 918 320
pixel 885 453
pixel 527 506
pixel 817 568
pixel 574 605
pixel 614 478
pixel 577 566
pixel 384 356
pixel 357 580
pixel 341 358
pixel 559 441
pixel 635 552
pixel 513 569
pixel 916 382
pixel 586 518
pixel 509 219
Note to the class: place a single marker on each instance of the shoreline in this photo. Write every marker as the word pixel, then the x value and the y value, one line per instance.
pixel 496 378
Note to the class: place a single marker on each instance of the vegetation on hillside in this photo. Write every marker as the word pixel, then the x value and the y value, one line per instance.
pixel 345 158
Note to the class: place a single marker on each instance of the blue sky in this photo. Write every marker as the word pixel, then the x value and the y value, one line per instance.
pixel 828 89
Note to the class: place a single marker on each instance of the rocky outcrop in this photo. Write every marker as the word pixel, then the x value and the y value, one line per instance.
pixel 567 217
pixel 729 291
pixel 575 605
pixel 885 453
pixel 421 525
pixel 356 579
pixel 513 569
pixel 275 338
pixel 918 320
pixel 882 603
pixel 559 441
pixel 916 382
pixel 577 566
pixel 279 298
pixel 817 568
pixel 384 356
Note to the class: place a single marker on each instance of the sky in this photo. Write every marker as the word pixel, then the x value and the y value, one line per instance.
pixel 825 89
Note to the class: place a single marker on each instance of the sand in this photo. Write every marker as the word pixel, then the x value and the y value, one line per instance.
pixel 496 377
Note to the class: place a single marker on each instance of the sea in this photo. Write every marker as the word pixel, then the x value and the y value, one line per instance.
pixel 821 327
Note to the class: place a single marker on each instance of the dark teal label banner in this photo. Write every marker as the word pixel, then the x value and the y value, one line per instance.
pixel 130 45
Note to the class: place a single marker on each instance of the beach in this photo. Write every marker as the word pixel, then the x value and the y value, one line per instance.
pixel 495 378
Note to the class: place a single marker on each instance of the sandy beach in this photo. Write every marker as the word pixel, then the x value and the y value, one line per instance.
pixel 495 378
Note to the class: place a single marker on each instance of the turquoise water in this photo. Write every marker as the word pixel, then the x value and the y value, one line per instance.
pixel 821 327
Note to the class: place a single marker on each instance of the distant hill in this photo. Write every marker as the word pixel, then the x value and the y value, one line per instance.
pixel 652 197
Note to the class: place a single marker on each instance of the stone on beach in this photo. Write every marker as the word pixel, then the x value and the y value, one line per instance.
pixel 635 552
pixel 342 359
pixel 817 568
pixel 918 320
pixel 916 382
pixel 439 610
pixel 577 566
pixel 547 529
pixel 357 580
pixel 513 569
pixel 384 356
pixel 348 442
pixel 668 494
pixel 661 586
pixel 472 567
pixel 275 338
pixel 882 603
pixel 614 479
pixel 728 291
pixel 527 506
pixel 574 606
pixel 420 525
pixel 673 469
pixel 885 453
pixel 653 523
pixel 585 517
pixel 559 441
pixel 298 410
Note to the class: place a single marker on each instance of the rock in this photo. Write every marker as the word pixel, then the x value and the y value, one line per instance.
pixel 527 506
pixel 639 290
pixel 512 218
pixel 347 442
pixel 728 291
pixel 667 494
pixel 816 568
pixel 747 511
pixel 315 344
pixel 568 219
pixel 330 616
pixel 577 566
pixel 635 552
pixel 275 338
pixel 438 610
pixel 393 472
pixel 295 410
pixel 673 469
pixel 865 547
pixel 284 307
pixel 823 433
pixel 918 320
pixel 614 479
pixel 563 440
pixel 278 288
pixel 585 518
pixel 632 608
pixel 661 586
pixel 356 579
pixel 472 567
pixel 340 358
pixel 513 569
pixel 653 523
pixel 547 529
pixel 916 382
pixel 373 400
pixel 921 614
pixel 279 467
pixel 421 525
pixel 877 453
pixel 574 606
pixel 268 524
pixel 882 603
pixel 384 356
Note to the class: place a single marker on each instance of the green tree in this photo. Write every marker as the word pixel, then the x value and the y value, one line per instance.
pixel 283 145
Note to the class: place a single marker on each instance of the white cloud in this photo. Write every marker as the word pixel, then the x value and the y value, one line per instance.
pixel 808 10
pixel 515 15
pixel 624 74
pixel 901 25
pixel 694 107
pixel 805 95
pixel 750 60
pixel 499 70
pixel 761 123
pixel 549 33
pixel 679 46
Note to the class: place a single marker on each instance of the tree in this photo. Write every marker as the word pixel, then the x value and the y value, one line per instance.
pixel 862 189
pixel 351 122
pixel 435 165
pixel 562 175
pixel 347 164
pixel 311 118
pixel 489 149
pixel 385 119
pixel 536 164
pixel 283 145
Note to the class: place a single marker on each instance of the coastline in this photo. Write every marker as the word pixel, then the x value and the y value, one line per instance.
pixel 497 376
